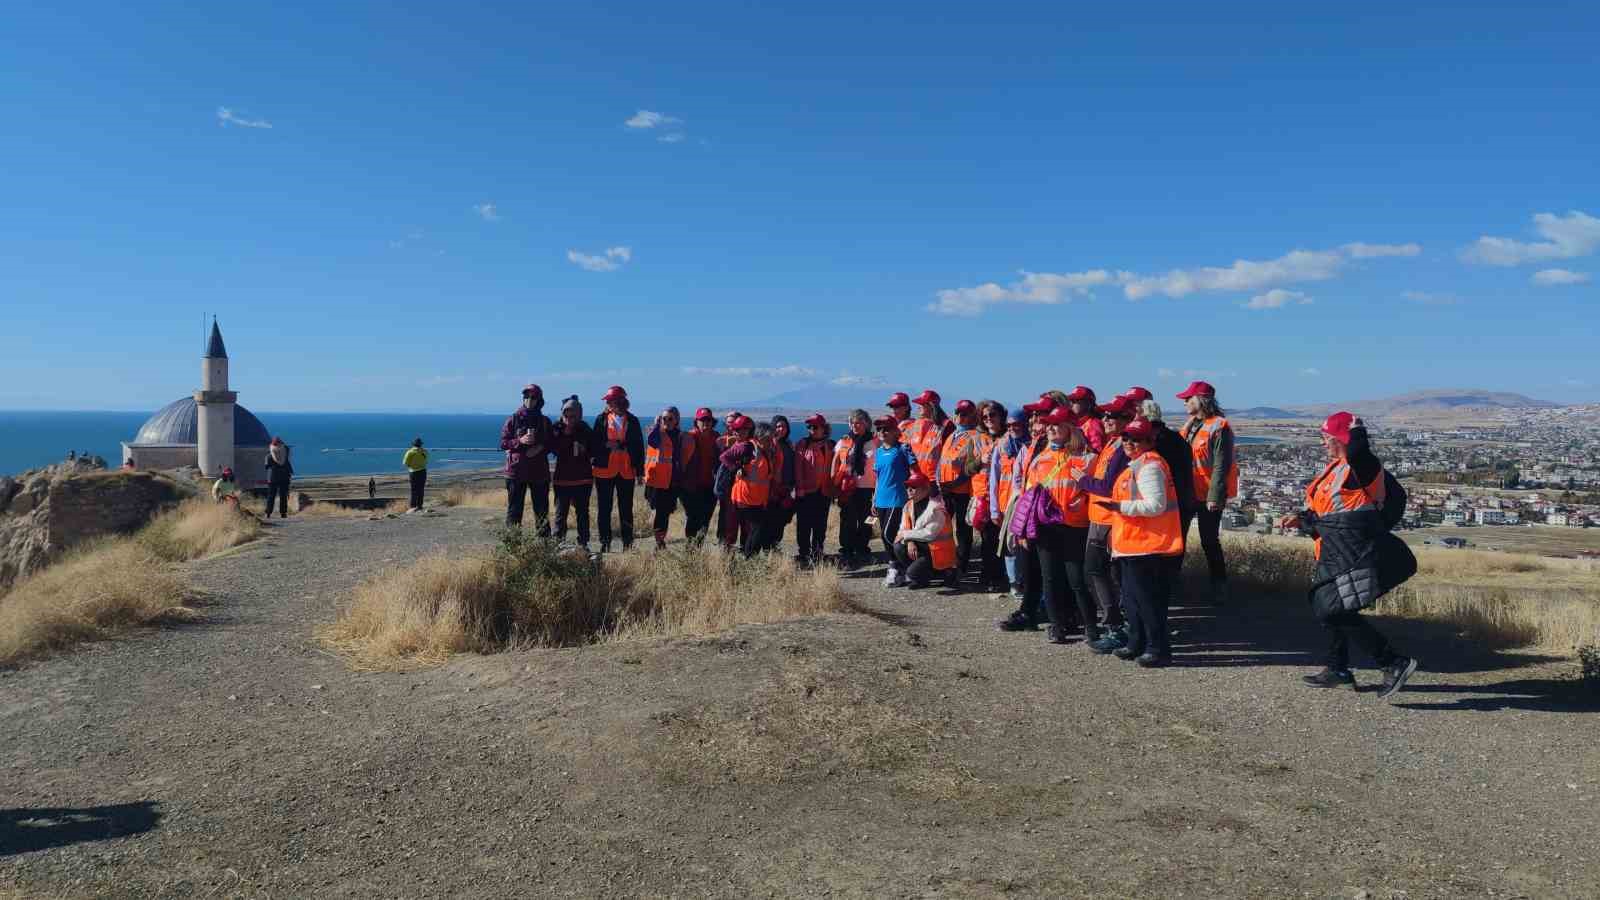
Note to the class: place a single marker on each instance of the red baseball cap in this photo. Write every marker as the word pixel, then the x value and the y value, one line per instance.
pixel 1338 425
pixel 917 479
pixel 533 389
pixel 1059 416
pixel 1139 430
pixel 898 398
pixel 889 422
pixel 1043 404
pixel 1081 392
pixel 966 406
pixel 816 419
pixel 1198 388
pixel 615 392
pixel 704 413
pixel 742 423
pixel 1120 405
pixel 928 396
pixel 1139 393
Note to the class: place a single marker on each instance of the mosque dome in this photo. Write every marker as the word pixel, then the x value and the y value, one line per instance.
pixel 178 423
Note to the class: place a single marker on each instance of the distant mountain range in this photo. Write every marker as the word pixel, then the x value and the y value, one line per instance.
pixel 1416 404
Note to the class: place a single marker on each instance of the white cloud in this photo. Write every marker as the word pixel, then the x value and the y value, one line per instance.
pixel 487 211
pixel 1550 277
pixel 1276 299
pixel 789 371
pixel 1430 299
pixel 1565 237
pixel 645 118
pixel 1244 275
pixel 610 261
pixel 847 380
pixel 1310 371
pixel 226 117
pixel 1034 287
pixel 1359 250
pixel 1166 373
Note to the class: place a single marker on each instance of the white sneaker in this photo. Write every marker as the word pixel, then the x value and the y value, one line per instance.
pixel 893 579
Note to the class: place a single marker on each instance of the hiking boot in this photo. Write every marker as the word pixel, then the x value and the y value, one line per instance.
pixel 1125 652
pixel 1395 675
pixel 1153 661
pixel 1104 645
pixel 1331 678
pixel 1056 634
pixel 1017 621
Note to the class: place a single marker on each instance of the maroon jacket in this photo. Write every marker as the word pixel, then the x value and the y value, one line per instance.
pixel 521 465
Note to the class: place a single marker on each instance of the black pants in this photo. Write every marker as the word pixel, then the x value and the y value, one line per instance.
pixel 539 492
pixel 1101 575
pixel 1210 539
pixel 280 493
pixel 1347 624
pixel 918 571
pixel 697 506
pixel 1145 596
pixel 748 525
pixel 419 480
pixel 811 524
pixel 992 572
pixel 1060 555
pixel 664 501
pixel 957 505
pixel 619 490
pixel 727 522
pixel 888 526
pixel 573 497
pixel 1031 580
pixel 773 525
pixel 854 535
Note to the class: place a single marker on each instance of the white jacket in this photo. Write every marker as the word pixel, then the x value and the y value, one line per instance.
pixel 933 524
pixel 1149 491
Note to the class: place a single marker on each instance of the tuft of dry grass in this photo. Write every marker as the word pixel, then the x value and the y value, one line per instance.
pixel 196 528
pixel 465 496
pixel 324 510
pixel 527 594
pixel 1497 599
pixel 95 592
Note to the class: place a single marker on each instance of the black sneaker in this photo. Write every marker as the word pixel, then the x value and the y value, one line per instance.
pixel 1056 635
pixel 1126 652
pixel 1331 678
pixel 1394 677
pixel 1152 661
pixel 1017 622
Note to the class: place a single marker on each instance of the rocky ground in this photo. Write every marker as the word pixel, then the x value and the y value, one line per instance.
pixel 909 750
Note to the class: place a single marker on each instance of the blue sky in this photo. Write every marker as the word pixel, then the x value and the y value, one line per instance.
pixel 424 207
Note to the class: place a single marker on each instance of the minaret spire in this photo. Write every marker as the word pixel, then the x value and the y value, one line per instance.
pixel 214 347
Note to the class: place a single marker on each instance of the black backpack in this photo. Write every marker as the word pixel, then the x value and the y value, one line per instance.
pixel 723 482
pixel 1394 501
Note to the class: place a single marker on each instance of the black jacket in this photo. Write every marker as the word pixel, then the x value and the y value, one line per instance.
pixel 279 474
pixel 1361 561
pixel 634 441
pixel 1172 448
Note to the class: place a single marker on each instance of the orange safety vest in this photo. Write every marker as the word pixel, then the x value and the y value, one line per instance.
pixel 752 484
pixel 819 457
pixel 841 461
pixel 1002 490
pixel 943 546
pixel 952 455
pixel 658 463
pixel 1200 446
pixel 1099 515
pixel 1327 496
pixel 1158 535
pixel 923 436
pixel 980 478
pixel 619 464
pixel 1057 471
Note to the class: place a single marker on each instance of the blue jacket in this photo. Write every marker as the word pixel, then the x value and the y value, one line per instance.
pixel 894 467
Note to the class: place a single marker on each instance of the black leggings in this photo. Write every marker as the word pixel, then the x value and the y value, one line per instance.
pixel 539 493
pixel 888 526
pixel 697 506
pixel 1347 624
pixel 419 482
pixel 1210 539
pixel 957 505
pixel 992 572
pixel 664 501
pixel 918 571
pixel 280 492
pixel 574 497
pixel 1055 571
pixel 811 524
pixel 1145 595
pixel 621 491
pixel 749 521
pixel 1102 576
pixel 854 535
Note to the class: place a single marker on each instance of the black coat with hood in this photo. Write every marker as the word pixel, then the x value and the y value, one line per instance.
pixel 1360 560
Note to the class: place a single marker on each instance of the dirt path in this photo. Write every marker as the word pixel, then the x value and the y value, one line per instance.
pixel 910 752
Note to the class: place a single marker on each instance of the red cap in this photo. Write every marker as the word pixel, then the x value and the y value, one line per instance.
pixel 898 398
pixel 1139 393
pixel 1139 430
pixel 615 392
pixel 1059 416
pixel 918 479
pixel 742 423
pixel 1082 393
pixel 965 406
pixel 704 413
pixel 928 396
pixel 1198 388
pixel 816 419
pixel 1338 425
pixel 532 389
pixel 1043 404
pixel 889 422
pixel 1120 405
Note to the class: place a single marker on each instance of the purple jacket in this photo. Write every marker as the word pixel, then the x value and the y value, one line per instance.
pixel 520 464
pixel 1034 508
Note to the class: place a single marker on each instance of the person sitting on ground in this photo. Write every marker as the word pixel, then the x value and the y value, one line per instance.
pixel 225 489
pixel 924 547
pixel 416 463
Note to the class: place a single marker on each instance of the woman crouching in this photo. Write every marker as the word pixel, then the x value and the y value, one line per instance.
pixel 924 546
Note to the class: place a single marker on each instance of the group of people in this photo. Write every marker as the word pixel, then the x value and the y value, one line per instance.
pixel 1080 509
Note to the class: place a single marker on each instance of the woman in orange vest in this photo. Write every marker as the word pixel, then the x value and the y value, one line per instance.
pixel 1216 477
pixel 1002 485
pixel 923 546
pixel 780 500
pixel 960 457
pixel 1052 557
pixel 1344 512
pixel 986 517
pixel 854 478
pixel 1146 532
pixel 1100 481
pixel 699 469
pixel 618 464
pixel 753 465
pixel 664 458
pixel 926 433
pixel 813 488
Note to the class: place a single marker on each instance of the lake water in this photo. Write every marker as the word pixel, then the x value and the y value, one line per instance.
pixel 324 443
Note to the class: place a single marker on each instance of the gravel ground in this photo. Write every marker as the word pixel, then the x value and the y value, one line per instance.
pixel 910 751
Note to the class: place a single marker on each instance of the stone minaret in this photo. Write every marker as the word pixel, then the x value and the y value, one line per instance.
pixel 214 404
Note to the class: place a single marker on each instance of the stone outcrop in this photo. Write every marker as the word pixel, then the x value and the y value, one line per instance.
pixel 45 512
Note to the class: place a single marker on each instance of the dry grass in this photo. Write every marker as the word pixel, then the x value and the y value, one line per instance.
pixel 322 509
pixel 94 593
pixel 471 498
pixel 1498 599
pixel 525 594
pixel 196 528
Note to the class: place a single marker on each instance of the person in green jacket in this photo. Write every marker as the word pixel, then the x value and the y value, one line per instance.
pixel 416 462
pixel 226 490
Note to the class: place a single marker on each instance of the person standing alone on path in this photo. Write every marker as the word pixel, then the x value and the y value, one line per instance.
pixel 618 464
pixel 526 439
pixel 279 471
pixel 416 463
pixel 1216 477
